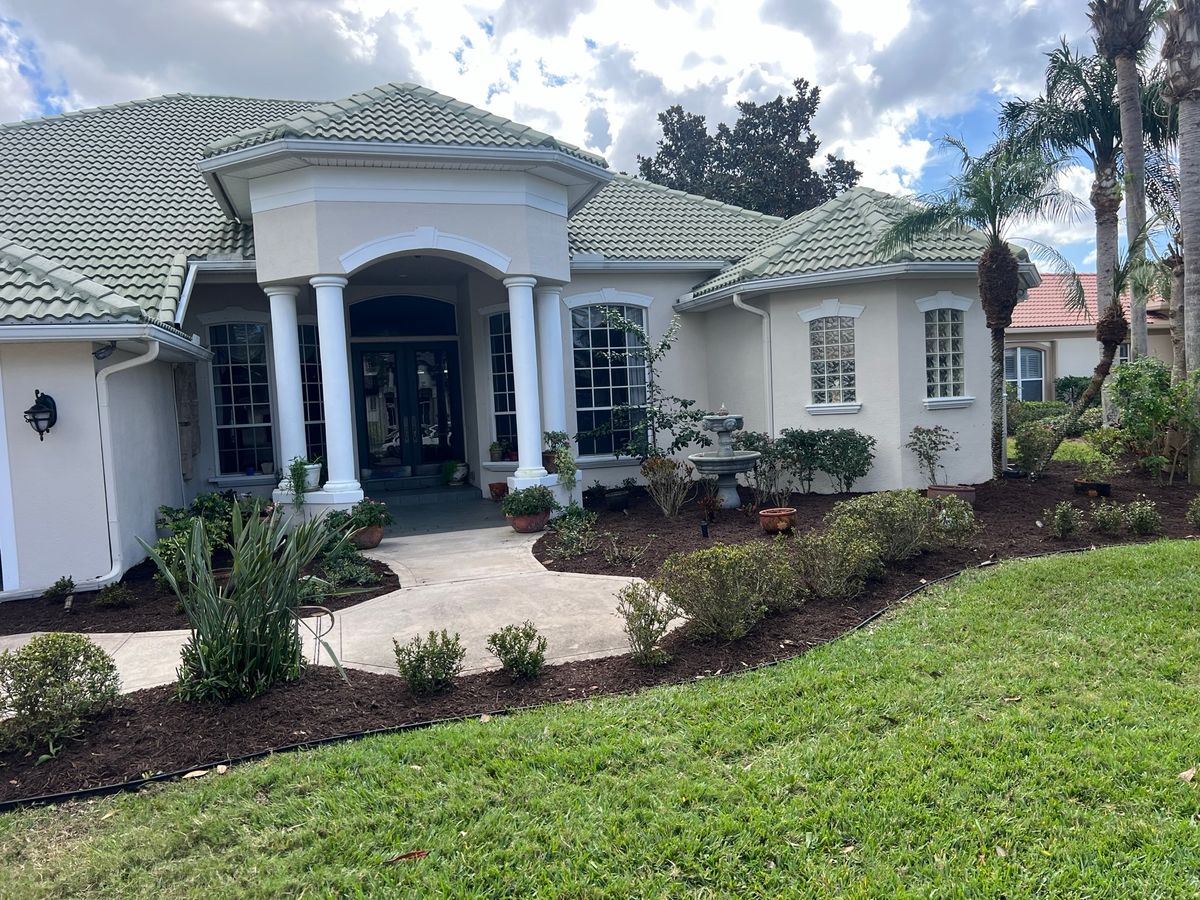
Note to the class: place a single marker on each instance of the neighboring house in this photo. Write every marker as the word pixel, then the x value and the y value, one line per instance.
pixel 212 286
pixel 1048 339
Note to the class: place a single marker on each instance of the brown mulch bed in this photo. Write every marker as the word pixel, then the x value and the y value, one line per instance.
pixel 151 732
pixel 150 610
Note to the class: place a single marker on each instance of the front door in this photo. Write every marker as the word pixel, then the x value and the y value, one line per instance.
pixel 409 414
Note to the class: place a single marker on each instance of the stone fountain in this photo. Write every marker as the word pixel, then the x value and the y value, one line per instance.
pixel 724 462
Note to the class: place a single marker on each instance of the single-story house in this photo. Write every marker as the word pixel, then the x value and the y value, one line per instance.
pixel 209 287
pixel 1050 339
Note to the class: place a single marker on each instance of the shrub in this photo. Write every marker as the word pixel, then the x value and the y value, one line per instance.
pixel 929 445
pixel 805 454
pixel 903 524
pixel 520 649
pixel 955 520
pixel 344 566
pixel 1063 520
pixel 847 456
pixel 1142 517
pixel 367 512
pixel 430 665
pixel 244 638
pixel 529 501
pixel 770 478
pixel 113 596
pixel 1193 512
pixel 50 687
pixel 1157 417
pixel 834 563
pixel 61 589
pixel 668 482
pixel 1069 388
pixel 1090 419
pixel 214 509
pixel 647 613
pixel 574 532
pixel 1035 445
pixel 1107 518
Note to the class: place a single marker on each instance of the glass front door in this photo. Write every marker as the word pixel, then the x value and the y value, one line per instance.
pixel 408 407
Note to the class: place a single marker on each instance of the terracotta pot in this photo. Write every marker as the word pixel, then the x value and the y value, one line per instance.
pixel 778 520
pixel 367 538
pixel 549 463
pixel 510 455
pixel 1092 488
pixel 530 523
pixel 498 490
pixel 964 492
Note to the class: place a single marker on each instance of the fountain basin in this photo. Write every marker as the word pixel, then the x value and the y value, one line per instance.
pixel 726 465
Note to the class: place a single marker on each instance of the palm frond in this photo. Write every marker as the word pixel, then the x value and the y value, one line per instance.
pixel 933 213
pixel 1056 262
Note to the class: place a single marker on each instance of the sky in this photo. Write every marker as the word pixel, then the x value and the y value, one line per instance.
pixel 895 75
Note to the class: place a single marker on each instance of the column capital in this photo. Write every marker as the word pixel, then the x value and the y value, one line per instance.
pixel 520 281
pixel 328 281
pixel 287 290
pixel 549 290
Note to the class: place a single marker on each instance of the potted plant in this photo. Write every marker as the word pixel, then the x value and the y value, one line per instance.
pixel 303 475
pixel 554 442
pixel 367 519
pixel 454 471
pixel 496 450
pixel 528 509
pixel 777 520
pixel 929 445
pixel 498 490
pixel 1095 476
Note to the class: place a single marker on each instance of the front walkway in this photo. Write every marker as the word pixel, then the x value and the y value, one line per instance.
pixel 472 581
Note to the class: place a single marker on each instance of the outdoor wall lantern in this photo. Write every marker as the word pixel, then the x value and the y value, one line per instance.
pixel 43 415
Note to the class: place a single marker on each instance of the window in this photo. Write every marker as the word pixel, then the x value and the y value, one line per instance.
pixel 504 391
pixel 944 371
pixel 831 353
pixel 1023 367
pixel 310 382
pixel 1122 355
pixel 241 397
pixel 604 382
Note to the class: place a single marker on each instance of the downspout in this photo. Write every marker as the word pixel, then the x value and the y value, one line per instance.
pixel 768 367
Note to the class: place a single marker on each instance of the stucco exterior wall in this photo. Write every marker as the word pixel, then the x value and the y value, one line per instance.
pixel 735 371
pixel 1075 352
pixel 61 519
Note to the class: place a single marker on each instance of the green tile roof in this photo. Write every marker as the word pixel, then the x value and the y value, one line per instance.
pixel 842 234
pixel 400 113
pixel 634 219
pixel 34 288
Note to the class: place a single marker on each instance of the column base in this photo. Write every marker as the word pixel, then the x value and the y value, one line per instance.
pixel 532 472
pixel 557 488
pixel 316 503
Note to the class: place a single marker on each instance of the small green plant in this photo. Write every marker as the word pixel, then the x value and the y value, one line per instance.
pixel 668 482
pixel 556 440
pixel 1064 520
pixel 834 563
pixel 429 665
pixel 1106 517
pixel 449 468
pixel 1193 512
pixel 622 554
pixel 367 513
pixel 520 649
pixel 929 445
pixel 345 566
pixel 1035 443
pixel 648 614
pixel 847 455
pixel 61 589
pixel 1142 516
pixel 113 596
pixel 50 688
pixel 298 478
pixel 574 532
pixel 903 524
pixel 529 501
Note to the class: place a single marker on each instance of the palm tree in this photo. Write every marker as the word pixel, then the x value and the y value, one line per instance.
pixel 1122 29
pixel 1181 58
pixel 989 193
pixel 1162 192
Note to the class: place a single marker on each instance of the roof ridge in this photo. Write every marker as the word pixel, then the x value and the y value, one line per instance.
pixel 700 198
pixel 62 276
pixel 144 101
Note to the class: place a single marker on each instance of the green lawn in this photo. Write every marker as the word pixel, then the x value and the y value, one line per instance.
pixel 1071 450
pixel 1019 733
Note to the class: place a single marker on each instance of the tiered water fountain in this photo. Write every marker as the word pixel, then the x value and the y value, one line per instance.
pixel 724 462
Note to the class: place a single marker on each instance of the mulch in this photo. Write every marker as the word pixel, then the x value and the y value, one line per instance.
pixel 150 609
pixel 152 732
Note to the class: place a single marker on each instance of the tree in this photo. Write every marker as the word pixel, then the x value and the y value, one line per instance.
pixel 1181 58
pixel 1162 192
pixel 764 162
pixel 1122 29
pixel 1009 183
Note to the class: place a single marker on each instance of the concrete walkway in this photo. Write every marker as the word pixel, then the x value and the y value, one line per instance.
pixel 473 580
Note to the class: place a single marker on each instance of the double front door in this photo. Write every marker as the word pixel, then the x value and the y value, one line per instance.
pixel 409 409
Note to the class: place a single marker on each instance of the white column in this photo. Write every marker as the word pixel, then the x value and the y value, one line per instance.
pixel 550 357
pixel 289 394
pixel 525 377
pixel 335 385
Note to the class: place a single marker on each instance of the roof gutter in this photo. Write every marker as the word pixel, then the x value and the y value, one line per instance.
pixel 768 368
pixel 105 331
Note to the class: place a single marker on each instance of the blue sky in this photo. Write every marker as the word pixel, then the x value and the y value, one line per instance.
pixel 896 75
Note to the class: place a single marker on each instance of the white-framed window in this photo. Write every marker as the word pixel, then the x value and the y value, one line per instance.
pixel 504 390
pixel 609 373
pixel 241 397
pixel 1024 367
pixel 945 371
pixel 310 382
pixel 831 360
pixel 1122 355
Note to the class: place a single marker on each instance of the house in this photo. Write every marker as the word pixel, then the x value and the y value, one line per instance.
pixel 209 287
pixel 1048 339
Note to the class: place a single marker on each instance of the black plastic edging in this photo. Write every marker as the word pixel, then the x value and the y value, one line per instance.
pixel 136 784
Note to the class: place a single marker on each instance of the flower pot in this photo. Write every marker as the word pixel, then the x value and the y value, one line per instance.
pixel 779 520
pixel 549 463
pixel 498 490
pixel 616 501
pixel 1013 471
pixel 1092 488
pixel 460 474
pixel 964 492
pixel 367 538
pixel 495 454
pixel 510 455
pixel 312 477
pixel 530 523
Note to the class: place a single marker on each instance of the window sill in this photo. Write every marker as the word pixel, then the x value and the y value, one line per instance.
pixel 934 403
pixel 499 465
pixel 832 409
pixel 225 481
pixel 605 462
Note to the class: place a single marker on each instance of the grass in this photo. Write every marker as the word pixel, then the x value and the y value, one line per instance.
pixel 1018 733
pixel 1072 450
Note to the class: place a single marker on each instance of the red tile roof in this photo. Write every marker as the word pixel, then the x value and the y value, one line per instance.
pixel 1046 306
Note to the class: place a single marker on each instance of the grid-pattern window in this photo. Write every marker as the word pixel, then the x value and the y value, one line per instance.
pixel 1024 370
pixel 1122 354
pixel 610 373
pixel 241 397
pixel 504 391
pixel 831 354
pixel 310 382
pixel 944 370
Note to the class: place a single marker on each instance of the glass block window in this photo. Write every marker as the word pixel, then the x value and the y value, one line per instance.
pixel 1023 368
pixel 241 397
pixel 504 391
pixel 831 355
pixel 310 382
pixel 944 370
pixel 603 382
